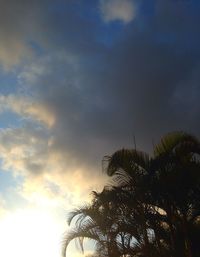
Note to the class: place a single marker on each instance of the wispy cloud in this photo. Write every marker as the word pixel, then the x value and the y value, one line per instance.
pixel 26 107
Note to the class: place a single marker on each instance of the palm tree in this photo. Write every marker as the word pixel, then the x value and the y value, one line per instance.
pixel 130 221
pixel 177 181
pixel 131 170
pixel 151 208
pixel 155 181
pixel 97 224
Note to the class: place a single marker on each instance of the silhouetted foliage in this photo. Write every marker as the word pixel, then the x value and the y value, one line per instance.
pixel 153 207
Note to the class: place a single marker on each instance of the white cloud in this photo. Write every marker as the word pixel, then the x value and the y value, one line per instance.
pixel 26 107
pixel 50 176
pixel 24 149
pixel 122 10
pixel 48 157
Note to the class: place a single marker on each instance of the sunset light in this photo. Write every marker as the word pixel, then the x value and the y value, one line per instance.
pixel 29 233
pixel 99 128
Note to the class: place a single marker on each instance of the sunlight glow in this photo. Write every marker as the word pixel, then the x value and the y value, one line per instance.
pixel 29 233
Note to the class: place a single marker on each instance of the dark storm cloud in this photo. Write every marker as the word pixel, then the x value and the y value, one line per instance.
pixel 144 83
pixel 135 86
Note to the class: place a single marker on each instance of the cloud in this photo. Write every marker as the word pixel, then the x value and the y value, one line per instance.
pixel 31 28
pixel 12 52
pixel 18 21
pixel 23 149
pixel 83 100
pixel 88 88
pixel 118 10
pixel 26 107
pixel 51 177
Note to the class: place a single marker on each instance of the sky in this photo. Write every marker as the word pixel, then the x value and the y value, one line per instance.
pixel 79 79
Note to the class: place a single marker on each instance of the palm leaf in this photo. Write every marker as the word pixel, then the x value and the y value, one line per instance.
pixel 79 235
pixel 174 139
pixel 126 160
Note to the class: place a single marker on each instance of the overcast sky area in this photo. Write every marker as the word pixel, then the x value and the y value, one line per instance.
pixel 78 80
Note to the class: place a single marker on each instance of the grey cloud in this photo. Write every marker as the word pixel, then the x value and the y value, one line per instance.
pixel 141 76
pixel 30 27
pixel 18 20
pixel 145 84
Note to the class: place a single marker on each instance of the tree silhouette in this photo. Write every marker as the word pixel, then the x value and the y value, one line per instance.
pixel 151 208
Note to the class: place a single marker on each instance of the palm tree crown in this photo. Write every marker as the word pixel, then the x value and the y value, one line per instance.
pixel 153 207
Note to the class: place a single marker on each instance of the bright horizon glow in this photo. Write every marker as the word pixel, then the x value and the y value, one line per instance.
pixel 31 233
pixel 79 79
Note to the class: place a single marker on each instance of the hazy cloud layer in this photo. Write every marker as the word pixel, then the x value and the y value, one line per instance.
pixel 90 86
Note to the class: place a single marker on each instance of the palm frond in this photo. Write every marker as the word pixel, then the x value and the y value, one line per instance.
pixel 172 140
pixel 126 160
pixel 80 214
pixel 76 212
pixel 79 235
